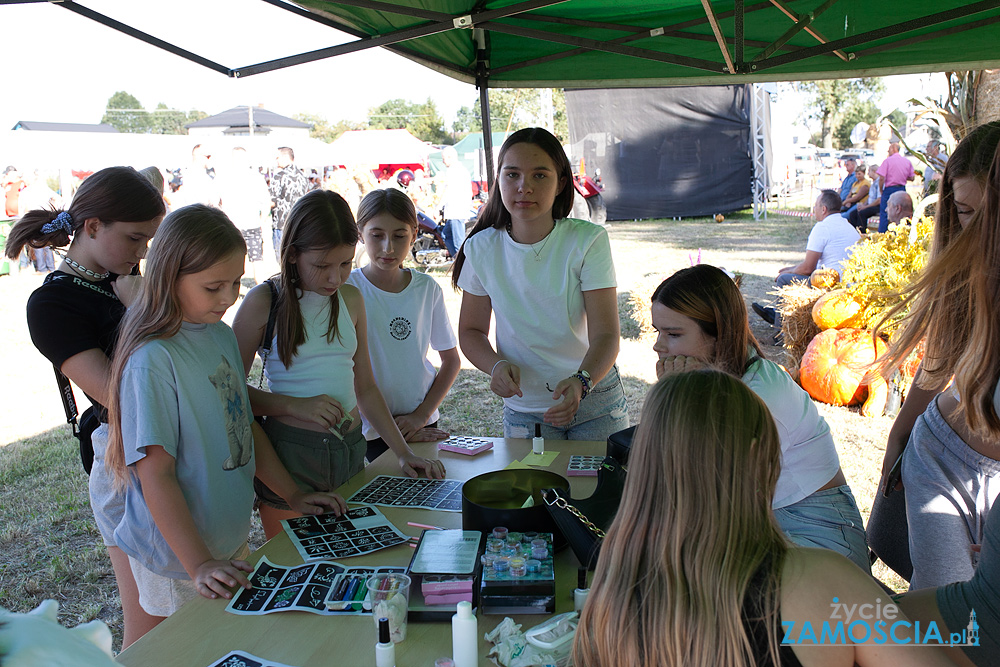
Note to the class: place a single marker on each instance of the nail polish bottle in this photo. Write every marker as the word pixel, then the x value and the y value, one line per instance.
pixel 581 591
pixel 385 650
pixel 538 442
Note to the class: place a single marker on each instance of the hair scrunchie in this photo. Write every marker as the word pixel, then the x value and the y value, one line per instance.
pixel 62 223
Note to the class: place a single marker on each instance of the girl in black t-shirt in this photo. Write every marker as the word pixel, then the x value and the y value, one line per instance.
pixel 73 317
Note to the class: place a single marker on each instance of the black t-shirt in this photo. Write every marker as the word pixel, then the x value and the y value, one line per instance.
pixel 68 315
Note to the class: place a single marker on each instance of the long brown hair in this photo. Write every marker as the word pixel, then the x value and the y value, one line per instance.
pixel 115 194
pixel 956 299
pixel 190 240
pixel 319 220
pixel 693 530
pixel 495 214
pixel 710 297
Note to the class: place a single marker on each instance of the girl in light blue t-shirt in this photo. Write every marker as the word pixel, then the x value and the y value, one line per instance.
pixel 183 444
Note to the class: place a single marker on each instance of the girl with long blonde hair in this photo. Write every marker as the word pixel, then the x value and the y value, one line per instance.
pixel 949 439
pixel 694 571
pixel 183 444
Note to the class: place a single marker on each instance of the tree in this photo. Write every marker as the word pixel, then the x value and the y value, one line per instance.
pixel 125 113
pixel 514 109
pixel 164 120
pixel 862 111
pixel 422 120
pixel 830 100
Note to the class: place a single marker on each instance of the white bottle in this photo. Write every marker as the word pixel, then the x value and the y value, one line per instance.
pixel 385 650
pixel 538 442
pixel 465 637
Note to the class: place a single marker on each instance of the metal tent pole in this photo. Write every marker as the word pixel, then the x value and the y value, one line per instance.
pixel 758 148
pixel 482 83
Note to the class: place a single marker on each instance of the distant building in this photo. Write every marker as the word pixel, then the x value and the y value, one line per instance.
pixel 236 123
pixel 36 126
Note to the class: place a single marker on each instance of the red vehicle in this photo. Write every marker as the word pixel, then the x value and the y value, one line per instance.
pixel 589 204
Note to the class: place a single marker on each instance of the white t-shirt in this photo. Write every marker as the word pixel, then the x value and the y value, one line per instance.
pixel 402 326
pixel 808 454
pixel 537 296
pixel 832 237
pixel 188 394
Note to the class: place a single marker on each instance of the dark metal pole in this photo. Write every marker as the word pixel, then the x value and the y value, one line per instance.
pixel 482 82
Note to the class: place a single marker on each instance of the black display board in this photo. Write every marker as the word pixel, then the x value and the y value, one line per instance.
pixel 665 152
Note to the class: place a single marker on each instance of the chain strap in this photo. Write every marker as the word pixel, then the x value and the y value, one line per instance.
pixel 561 503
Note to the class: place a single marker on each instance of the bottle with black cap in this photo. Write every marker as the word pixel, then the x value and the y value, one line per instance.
pixel 385 650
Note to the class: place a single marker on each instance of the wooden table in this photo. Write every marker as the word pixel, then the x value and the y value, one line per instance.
pixel 202 631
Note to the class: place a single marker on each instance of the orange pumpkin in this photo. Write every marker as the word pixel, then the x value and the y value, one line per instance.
pixel 837 309
pixel 824 278
pixel 834 365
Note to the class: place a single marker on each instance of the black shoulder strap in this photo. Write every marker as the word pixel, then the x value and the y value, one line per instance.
pixel 272 313
pixel 67 397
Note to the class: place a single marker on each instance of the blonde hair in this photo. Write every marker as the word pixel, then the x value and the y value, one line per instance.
pixel 190 240
pixel 956 299
pixel 694 529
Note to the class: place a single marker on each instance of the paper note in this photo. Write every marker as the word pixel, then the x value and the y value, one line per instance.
pixel 517 465
pixel 544 460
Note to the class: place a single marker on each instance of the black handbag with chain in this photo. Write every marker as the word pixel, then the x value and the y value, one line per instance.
pixel 583 522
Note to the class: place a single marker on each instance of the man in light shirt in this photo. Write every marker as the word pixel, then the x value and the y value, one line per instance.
pixel 829 244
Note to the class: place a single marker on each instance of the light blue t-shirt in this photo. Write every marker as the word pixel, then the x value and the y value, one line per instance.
pixel 187 394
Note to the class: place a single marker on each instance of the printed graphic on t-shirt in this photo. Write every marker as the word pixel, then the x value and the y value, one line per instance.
pixel 400 328
pixel 227 384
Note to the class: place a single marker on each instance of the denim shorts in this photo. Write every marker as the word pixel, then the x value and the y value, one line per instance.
pixel 602 413
pixel 829 520
pixel 317 461
pixel 107 503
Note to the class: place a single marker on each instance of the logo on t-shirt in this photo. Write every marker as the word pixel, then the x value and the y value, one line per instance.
pixel 400 328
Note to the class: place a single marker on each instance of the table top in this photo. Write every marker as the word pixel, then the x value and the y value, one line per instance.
pixel 202 631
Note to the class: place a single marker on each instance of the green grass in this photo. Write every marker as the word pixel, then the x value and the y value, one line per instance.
pixel 50 547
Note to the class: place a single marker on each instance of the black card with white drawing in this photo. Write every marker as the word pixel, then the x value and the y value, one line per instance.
pixel 359 531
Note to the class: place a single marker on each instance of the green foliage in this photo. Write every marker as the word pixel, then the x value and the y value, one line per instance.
pixel 862 111
pixel 323 130
pixel 516 108
pixel 830 100
pixel 422 120
pixel 126 113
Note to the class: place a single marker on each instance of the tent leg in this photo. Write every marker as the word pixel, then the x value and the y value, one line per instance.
pixel 482 83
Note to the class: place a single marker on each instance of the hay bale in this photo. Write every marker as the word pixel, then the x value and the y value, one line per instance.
pixel 795 303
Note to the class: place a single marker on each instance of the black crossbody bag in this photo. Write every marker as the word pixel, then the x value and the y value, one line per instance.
pixel 83 429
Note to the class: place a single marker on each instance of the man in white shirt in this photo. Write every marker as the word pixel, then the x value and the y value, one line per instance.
pixel 828 245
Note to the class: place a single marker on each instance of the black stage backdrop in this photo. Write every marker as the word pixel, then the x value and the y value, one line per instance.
pixel 665 152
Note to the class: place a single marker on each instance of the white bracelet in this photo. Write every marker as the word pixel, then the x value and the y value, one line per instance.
pixel 497 364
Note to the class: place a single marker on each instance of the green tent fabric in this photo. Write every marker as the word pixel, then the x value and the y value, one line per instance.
pixel 629 43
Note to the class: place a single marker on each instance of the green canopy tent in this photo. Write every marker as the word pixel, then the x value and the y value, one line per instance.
pixel 631 43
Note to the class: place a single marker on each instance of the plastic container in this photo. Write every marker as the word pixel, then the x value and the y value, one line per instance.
pixel 465 637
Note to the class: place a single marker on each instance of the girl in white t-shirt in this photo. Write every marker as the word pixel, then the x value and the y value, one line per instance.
pixel 316 363
pixel 701 319
pixel 183 444
pixel 550 281
pixel 406 317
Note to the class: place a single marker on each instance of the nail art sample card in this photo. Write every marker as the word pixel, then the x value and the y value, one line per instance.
pixel 285 588
pixel 429 494
pixel 359 531
pixel 243 659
